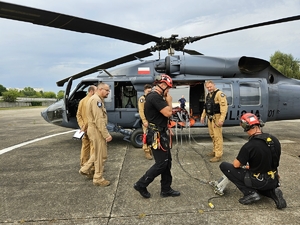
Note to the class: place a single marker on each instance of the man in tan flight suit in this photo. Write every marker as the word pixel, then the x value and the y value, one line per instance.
pixel 141 103
pixel 98 133
pixel 215 109
pixel 87 145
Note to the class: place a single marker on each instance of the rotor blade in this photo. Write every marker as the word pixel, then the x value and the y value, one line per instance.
pixel 116 62
pixel 191 52
pixel 283 20
pixel 61 21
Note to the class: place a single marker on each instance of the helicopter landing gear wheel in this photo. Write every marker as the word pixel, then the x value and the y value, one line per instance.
pixel 136 138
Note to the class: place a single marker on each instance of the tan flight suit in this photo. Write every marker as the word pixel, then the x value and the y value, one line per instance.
pixel 141 104
pixel 97 132
pixel 87 145
pixel 215 131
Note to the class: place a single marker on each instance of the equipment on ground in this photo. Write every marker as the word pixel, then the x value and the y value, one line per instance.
pixel 250 84
pixel 219 185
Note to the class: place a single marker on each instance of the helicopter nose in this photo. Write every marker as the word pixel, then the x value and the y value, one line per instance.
pixel 45 116
pixel 54 113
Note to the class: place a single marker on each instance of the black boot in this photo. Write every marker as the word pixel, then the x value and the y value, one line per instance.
pixel 250 198
pixel 171 192
pixel 277 196
pixel 143 191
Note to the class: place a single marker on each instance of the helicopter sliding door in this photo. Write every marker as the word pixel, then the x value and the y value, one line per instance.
pixel 248 95
pixel 243 95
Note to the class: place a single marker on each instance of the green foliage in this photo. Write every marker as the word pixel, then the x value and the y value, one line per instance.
pixel 21 94
pixel 286 64
pixel 10 95
pixel 60 94
pixel 2 89
pixel 38 95
pixel 36 103
pixel 49 94
pixel 29 92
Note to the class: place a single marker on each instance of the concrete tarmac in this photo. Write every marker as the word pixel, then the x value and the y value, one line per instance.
pixel 40 183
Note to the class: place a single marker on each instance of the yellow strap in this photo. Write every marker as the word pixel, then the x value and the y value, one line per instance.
pixel 256 175
pixel 272 174
pixel 155 144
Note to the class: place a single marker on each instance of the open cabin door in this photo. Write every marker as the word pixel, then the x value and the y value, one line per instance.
pixel 66 99
pixel 196 99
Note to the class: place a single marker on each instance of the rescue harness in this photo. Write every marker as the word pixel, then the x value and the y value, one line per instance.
pixel 156 137
pixel 270 144
pixel 275 159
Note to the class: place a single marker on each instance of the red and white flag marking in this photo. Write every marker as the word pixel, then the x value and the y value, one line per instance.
pixel 143 70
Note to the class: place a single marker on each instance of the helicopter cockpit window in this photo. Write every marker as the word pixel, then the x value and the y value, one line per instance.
pixel 250 93
pixel 76 95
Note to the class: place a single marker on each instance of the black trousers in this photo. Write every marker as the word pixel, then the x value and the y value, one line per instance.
pixel 237 176
pixel 162 166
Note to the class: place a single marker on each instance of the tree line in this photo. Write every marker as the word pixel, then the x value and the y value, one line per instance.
pixel 11 95
pixel 284 63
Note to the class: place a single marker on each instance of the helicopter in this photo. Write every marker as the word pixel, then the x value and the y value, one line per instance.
pixel 250 84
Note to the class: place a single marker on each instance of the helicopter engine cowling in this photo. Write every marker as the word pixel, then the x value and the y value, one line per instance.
pixel 213 66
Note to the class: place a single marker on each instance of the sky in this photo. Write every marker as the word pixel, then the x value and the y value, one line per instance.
pixel 37 56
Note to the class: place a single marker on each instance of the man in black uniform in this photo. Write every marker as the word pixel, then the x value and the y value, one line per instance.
pixel 255 169
pixel 158 109
pixel 182 102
